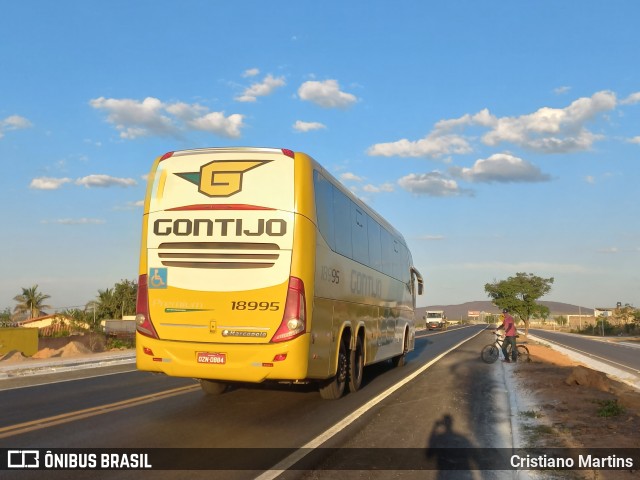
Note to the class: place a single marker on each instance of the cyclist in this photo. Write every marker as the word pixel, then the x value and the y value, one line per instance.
pixel 510 333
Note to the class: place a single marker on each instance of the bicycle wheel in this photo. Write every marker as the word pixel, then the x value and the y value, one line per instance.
pixel 489 354
pixel 523 353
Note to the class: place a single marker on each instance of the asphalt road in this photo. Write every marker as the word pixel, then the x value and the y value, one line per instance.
pixel 452 401
pixel 618 354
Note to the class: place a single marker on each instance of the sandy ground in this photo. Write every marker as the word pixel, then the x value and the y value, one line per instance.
pixel 560 401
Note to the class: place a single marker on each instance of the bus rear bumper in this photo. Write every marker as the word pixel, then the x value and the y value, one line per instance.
pixel 286 361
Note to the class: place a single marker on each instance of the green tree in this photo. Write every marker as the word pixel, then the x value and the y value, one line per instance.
pixel 519 295
pixel 114 302
pixel 561 320
pixel 5 317
pixel 126 293
pixel 31 302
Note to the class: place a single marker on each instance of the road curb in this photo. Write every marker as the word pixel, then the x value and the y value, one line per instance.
pixel 57 365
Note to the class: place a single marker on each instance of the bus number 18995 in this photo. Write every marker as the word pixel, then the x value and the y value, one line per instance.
pixel 261 306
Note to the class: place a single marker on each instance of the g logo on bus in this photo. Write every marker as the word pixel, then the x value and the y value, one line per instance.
pixel 221 178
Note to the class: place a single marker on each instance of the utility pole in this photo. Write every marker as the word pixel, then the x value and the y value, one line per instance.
pixel 580 317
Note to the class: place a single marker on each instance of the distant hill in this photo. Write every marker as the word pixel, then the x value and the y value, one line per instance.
pixel 461 311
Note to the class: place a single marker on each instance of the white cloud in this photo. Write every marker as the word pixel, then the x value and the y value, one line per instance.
pixel 105 181
pixel 433 145
pixel 635 140
pixel 500 168
pixel 433 184
pixel 553 130
pixel 431 238
pixel 217 123
pixel 150 117
pixel 483 118
pixel 264 88
pixel 547 130
pixel 590 179
pixel 13 122
pixel 350 177
pixel 48 183
pixel 385 187
pixel 326 94
pixel 631 99
pixel 185 111
pixel 250 72
pixel 561 90
pixel 136 119
pixel 301 126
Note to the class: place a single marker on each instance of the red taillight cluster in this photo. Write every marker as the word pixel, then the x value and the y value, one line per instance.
pixel 294 319
pixel 143 322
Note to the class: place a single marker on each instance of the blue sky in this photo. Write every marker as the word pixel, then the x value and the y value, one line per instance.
pixel 498 136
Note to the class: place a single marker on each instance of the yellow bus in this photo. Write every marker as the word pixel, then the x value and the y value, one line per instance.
pixel 257 265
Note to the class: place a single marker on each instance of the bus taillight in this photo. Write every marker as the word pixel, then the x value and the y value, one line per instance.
pixel 143 322
pixel 294 320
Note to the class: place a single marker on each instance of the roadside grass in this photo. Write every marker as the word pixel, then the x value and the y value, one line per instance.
pixel 537 433
pixel 531 414
pixel 609 408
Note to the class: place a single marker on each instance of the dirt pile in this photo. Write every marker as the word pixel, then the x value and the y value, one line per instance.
pixel 14 356
pixel 72 349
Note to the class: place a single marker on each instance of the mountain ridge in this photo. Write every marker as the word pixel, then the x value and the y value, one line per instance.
pixel 460 311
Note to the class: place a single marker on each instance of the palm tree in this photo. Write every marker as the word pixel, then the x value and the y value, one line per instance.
pixel 31 301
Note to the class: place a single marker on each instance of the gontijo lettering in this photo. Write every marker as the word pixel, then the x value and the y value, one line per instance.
pixel 223 227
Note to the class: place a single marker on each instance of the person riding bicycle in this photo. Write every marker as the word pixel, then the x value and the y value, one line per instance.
pixel 510 334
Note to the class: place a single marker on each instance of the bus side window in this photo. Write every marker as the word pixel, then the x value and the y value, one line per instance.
pixel 324 208
pixel 387 252
pixel 375 247
pixel 359 235
pixel 342 217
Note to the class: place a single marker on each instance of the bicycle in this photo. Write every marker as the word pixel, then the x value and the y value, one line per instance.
pixel 490 353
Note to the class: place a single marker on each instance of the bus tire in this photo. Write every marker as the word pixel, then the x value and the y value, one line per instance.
pixel 400 360
pixel 212 387
pixel 356 365
pixel 334 388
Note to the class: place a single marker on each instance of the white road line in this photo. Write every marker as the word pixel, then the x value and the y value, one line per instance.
pixel 299 454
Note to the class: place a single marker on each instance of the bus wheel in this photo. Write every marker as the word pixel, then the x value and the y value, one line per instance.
pixel 334 388
pixel 400 360
pixel 356 366
pixel 211 387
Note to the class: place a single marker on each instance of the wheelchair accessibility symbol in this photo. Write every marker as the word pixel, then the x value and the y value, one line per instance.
pixel 158 278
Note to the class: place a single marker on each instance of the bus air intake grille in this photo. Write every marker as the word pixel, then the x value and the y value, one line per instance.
pixel 218 255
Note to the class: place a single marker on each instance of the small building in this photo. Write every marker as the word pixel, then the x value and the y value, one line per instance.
pixel 49 325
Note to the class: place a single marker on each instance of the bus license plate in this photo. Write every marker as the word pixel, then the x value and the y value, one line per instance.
pixel 212 358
